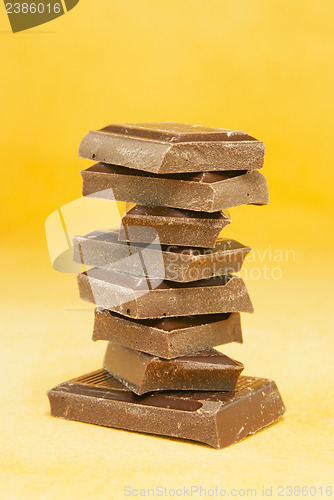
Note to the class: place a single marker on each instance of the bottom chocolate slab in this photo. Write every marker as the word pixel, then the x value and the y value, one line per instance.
pixel 218 419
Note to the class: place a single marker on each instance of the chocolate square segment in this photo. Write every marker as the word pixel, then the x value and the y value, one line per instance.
pixel 140 372
pixel 164 148
pixel 172 226
pixel 174 263
pixel 168 337
pixel 142 298
pixel 202 191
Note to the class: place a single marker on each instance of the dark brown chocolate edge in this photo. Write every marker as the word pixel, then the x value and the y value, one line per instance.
pixel 172 323
pixel 196 177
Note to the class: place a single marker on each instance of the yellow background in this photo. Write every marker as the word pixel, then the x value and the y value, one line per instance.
pixel 262 66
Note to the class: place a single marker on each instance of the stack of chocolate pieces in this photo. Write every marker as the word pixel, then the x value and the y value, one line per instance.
pixel 164 285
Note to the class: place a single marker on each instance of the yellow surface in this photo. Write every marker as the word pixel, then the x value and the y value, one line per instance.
pixel 264 67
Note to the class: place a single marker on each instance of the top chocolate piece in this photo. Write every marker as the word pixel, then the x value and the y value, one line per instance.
pixel 173 147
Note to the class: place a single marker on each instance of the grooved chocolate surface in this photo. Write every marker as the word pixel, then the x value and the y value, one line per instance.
pixel 143 299
pixel 168 337
pixel 140 372
pixel 203 191
pixel 165 148
pixel 218 419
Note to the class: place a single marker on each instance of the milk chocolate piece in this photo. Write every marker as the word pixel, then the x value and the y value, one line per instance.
pixel 140 372
pixel 173 226
pixel 175 263
pixel 143 298
pixel 218 419
pixel 168 337
pixel 173 147
pixel 204 191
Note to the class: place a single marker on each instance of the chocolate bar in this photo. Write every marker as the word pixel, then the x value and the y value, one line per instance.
pixel 172 226
pixel 218 419
pixel 144 298
pixel 204 191
pixel 173 147
pixel 168 337
pixel 140 372
pixel 175 263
